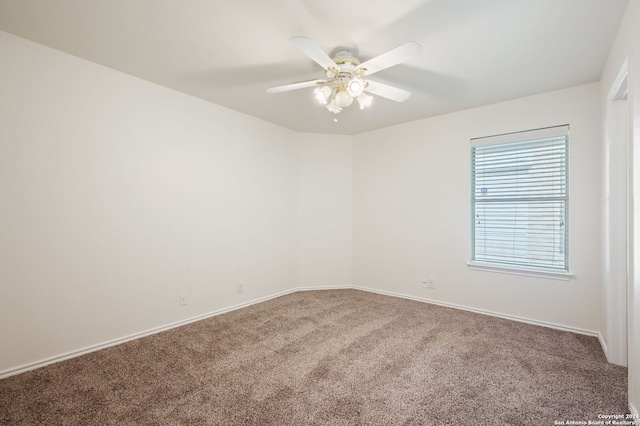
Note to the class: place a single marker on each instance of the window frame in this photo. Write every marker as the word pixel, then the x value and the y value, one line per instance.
pixel 510 267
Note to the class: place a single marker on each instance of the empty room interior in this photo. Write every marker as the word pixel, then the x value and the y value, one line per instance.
pixel 300 212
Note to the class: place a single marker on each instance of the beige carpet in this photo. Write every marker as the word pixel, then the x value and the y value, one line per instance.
pixel 337 357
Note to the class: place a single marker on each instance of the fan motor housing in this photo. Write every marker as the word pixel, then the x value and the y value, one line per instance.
pixel 346 62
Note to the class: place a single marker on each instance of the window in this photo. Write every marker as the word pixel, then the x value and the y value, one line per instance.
pixel 520 199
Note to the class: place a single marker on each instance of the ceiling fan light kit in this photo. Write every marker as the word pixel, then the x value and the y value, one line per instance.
pixel 344 73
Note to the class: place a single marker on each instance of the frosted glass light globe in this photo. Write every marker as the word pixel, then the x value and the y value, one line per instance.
pixel 322 94
pixel 334 107
pixel 364 100
pixel 355 87
pixel 343 98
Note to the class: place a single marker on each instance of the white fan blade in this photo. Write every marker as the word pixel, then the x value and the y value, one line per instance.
pixel 391 58
pixel 386 91
pixel 294 86
pixel 312 50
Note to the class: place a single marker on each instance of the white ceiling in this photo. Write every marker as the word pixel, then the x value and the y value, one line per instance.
pixel 475 52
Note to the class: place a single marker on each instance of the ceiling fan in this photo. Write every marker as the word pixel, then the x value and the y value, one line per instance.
pixel 346 78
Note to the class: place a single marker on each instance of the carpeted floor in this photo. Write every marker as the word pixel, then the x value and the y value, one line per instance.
pixel 334 357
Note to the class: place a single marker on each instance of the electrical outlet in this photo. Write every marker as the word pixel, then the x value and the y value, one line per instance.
pixel 240 287
pixel 429 283
pixel 183 299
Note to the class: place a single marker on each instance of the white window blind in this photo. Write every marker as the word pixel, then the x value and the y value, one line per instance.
pixel 520 198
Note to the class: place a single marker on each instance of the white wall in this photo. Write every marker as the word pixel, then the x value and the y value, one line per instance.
pixel 627 47
pixel 324 210
pixel 411 211
pixel 117 195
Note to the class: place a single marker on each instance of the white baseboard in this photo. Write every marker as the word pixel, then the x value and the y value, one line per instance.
pixel 334 287
pixel 72 354
pixel 484 312
pixel 114 342
pixel 605 349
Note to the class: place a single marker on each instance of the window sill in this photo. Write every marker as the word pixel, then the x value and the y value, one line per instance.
pixel 516 270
